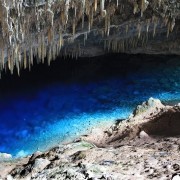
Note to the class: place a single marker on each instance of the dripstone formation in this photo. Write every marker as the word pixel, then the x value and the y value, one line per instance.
pixel 41 30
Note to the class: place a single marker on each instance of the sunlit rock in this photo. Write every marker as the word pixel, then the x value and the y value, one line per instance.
pixel 151 105
pixel 39 165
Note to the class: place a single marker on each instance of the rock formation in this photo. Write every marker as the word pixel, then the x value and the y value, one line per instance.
pixel 44 29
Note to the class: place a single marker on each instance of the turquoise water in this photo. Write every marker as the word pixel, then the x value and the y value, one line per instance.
pixel 39 116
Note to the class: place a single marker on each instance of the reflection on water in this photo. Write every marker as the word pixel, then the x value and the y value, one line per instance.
pixel 42 114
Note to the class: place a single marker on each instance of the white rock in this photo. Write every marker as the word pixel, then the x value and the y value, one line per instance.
pixel 9 177
pixel 151 171
pixel 176 177
pixel 4 156
pixel 168 167
pixel 40 164
pixel 143 135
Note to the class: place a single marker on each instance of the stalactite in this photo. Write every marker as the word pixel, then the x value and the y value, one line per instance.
pixel 115 46
pixel 143 40
pixel 172 24
pixel 102 5
pixel 65 53
pixel 135 9
pixel 11 66
pixel 2 57
pixel 155 25
pixel 142 6
pixel 74 27
pixel 123 46
pixel 109 45
pixel 85 38
pixel 168 29
pixel 92 17
pixel 139 30
pixel 166 19
pixel 49 56
pixel 147 25
pixel 19 56
pixel 127 28
pixel 43 55
pixel 54 53
pixel 60 40
pixel 159 2
pixel 89 25
pixel 95 5
pixel 109 24
pixel 39 47
pixel 50 35
pixel 25 59
pixel 9 59
pixel 31 55
pixel 66 11
pixel 12 62
pixel 106 24
pixel 17 66
pixel 51 14
pixel 83 11
pixel 29 62
pixel 76 55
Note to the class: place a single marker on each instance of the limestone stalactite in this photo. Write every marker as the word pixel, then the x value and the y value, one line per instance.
pixel 42 29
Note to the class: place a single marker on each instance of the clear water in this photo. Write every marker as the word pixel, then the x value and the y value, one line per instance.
pixel 38 118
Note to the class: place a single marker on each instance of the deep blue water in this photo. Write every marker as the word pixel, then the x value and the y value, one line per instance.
pixel 36 116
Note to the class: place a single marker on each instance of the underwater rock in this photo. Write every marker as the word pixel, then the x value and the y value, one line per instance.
pixel 5 156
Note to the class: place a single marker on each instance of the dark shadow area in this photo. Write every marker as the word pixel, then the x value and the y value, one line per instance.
pixel 167 124
pixel 81 70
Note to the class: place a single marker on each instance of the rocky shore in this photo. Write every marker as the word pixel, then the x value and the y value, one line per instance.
pixel 144 146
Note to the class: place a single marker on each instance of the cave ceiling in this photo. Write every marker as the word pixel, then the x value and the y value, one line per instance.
pixel 45 29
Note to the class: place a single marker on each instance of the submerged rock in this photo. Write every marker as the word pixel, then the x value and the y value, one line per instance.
pixel 5 156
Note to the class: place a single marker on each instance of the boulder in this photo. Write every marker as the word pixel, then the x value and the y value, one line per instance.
pixel 40 164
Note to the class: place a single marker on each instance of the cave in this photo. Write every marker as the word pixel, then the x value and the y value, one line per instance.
pixel 67 66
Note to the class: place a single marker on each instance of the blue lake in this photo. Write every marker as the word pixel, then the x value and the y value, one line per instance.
pixel 36 116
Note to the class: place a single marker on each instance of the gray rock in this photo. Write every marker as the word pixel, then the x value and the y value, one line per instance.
pixel 40 164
